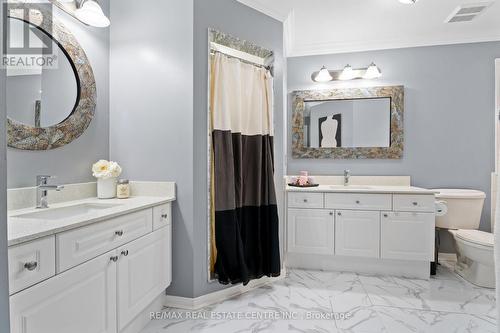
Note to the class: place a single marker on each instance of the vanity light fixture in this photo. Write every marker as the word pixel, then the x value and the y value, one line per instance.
pixel 88 12
pixel 91 13
pixel 348 73
pixel 323 76
pixel 373 72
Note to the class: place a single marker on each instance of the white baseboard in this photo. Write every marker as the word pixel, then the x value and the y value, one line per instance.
pixel 448 256
pixel 403 268
pixel 200 302
pixel 144 318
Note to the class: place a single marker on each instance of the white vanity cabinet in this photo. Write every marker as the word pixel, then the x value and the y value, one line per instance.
pixel 381 232
pixel 311 231
pixel 407 236
pixel 97 289
pixel 357 233
pixel 81 300
pixel 144 272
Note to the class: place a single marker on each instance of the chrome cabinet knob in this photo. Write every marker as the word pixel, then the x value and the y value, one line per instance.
pixel 331 213
pixel 164 216
pixel 415 204
pixel 119 233
pixel 358 202
pixel 114 258
pixel 305 200
pixel 386 215
pixel 31 266
pixel 125 253
pixel 339 214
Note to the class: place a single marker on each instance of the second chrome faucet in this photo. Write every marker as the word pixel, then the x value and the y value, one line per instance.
pixel 347 177
pixel 42 189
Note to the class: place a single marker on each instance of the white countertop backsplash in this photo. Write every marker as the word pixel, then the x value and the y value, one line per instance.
pixel 374 189
pixel 22 201
pixel 374 184
pixel 360 180
pixel 20 198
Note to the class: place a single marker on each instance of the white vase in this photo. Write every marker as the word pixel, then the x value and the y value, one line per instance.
pixel 106 188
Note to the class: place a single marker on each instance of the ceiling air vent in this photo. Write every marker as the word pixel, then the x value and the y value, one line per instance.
pixel 468 12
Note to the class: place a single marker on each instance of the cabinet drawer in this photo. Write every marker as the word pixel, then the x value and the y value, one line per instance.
pixel 162 216
pixel 31 263
pixel 305 200
pixel 358 201
pixel 414 203
pixel 80 245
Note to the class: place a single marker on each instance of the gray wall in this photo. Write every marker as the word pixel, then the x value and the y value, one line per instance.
pixel 74 160
pixel 4 277
pixel 154 132
pixel 243 22
pixel 151 110
pixel 449 115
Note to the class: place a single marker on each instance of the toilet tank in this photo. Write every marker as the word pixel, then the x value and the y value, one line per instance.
pixel 464 208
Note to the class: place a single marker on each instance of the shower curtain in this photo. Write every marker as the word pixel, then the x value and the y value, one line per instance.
pixel 245 216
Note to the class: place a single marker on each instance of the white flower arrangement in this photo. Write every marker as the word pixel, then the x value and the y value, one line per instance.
pixel 106 169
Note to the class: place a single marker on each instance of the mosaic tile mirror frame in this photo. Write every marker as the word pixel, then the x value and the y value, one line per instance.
pixel 395 147
pixel 27 137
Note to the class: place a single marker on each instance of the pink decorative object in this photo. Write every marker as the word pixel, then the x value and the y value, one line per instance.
pixel 303 179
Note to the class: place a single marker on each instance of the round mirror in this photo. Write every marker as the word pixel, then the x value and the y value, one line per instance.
pixel 40 96
pixel 53 104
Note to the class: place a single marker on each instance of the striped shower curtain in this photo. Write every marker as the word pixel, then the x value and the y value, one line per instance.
pixel 245 216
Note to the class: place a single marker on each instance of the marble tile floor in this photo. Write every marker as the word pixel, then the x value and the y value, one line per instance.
pixel 316 301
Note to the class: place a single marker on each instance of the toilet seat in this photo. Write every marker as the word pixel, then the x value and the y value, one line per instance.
pixel 476 237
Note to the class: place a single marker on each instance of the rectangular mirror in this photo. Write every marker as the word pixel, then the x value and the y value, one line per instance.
pixel 348 123
pixel 356 123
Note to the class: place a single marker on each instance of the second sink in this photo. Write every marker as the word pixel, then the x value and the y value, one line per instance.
pixel 66 212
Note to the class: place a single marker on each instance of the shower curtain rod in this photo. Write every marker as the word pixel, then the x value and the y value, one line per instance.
pixel 240 55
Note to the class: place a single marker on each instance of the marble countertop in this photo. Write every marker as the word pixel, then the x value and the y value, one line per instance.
pixel 369 189
pixel 23 229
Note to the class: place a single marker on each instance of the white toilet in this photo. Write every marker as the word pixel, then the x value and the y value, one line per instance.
pixel 474 248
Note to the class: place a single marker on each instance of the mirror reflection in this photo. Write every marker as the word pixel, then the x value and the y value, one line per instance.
pixel 350 123
pixel 39 97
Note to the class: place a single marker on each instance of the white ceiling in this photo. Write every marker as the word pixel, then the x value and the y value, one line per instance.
pixel 337 26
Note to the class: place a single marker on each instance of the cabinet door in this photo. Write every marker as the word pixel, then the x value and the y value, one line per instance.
pixel 408 236
pixel 357 234
pixel 144 272
pixel 81 300
pixel 311 231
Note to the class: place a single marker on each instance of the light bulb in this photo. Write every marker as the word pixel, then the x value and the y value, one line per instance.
pixel 323 75
pixel 373 72
pixel 91 13
pixel 347 73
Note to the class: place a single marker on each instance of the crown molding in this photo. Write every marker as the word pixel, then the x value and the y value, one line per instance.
pixel 259 6
pixel 323 48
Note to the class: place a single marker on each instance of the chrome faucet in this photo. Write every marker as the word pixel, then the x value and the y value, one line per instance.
pixel 347 176
pixel 42 189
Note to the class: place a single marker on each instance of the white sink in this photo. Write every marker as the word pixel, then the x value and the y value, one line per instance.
pixel 66 212
pixel 352 187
